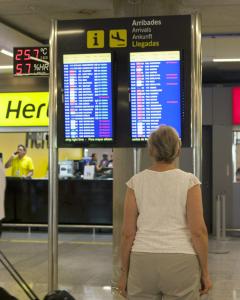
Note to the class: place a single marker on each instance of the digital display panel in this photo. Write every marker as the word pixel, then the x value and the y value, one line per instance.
pixel 31 61
pixel 236 106
pixel 88 97
pixel 155 92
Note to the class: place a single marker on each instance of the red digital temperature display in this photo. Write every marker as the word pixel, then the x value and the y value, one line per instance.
pixel 31 61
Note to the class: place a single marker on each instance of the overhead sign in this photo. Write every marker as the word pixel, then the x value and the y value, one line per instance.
pixel 31 61
pixel 162 85
pixel 24 109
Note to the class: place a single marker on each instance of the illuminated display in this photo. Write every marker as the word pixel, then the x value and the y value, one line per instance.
pixel 236 106
pixel 155 92
pixel 31 61
pixel 87 97
pixel 24 109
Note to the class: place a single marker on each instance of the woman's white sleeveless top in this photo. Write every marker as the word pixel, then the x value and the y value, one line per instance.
pixel 161 200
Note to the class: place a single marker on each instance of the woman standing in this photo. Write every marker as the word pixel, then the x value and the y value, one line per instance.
pixel 164 246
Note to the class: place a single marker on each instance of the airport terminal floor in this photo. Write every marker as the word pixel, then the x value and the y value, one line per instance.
pixel 85 265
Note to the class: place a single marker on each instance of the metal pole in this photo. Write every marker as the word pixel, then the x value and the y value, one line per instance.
pixel 134 160
pixel 196 95
pixel 223 198
pixel 53 167
pixel 218 217
pixel 220 246
pixel 139 157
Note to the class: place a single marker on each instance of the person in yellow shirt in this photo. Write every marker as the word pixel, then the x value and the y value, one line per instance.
pixel 22 165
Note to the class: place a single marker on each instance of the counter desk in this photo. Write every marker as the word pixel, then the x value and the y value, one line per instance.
pixel 83 202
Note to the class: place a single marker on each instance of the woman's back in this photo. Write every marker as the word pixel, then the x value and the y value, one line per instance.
pixel 161 201
pixel 164 243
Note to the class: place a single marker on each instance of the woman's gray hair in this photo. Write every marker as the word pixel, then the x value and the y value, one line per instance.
pixel 164 144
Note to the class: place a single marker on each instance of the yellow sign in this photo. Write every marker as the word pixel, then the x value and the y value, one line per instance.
pixel 118 38
pixel 95 39
pixel 24 109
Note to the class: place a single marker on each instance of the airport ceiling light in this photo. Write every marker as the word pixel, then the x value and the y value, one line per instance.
pixel 6 52
pixel 6 67
pixel 226 60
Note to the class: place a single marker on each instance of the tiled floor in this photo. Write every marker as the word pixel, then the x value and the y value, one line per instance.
pixel 85 265
pixel 225 269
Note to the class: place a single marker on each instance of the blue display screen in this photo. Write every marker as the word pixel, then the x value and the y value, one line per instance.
pixel 155 92
pixel 87 97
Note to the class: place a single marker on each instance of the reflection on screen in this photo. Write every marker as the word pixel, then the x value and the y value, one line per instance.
pixel 155 92
pixel 87 97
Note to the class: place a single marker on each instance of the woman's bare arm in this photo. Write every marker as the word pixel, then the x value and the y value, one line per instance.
pixel 199 233
pixel 9 162
pixel 129 229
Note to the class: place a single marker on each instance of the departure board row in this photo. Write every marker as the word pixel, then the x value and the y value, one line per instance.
pixel 155 92
pixel 87 97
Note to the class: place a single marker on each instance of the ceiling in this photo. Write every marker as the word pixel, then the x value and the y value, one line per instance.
pixel 28 22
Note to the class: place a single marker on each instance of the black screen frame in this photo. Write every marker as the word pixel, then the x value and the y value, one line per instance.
pixel 72 38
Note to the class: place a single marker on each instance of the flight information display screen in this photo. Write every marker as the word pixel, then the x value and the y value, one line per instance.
pixel 87 80
pixel 155 92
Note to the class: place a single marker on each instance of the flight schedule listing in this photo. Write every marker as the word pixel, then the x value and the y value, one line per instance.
pixel 155 92
pixel 87 97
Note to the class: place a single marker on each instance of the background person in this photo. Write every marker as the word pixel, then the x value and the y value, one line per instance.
pixel 164 245
pixel 94 162
pixel 110 162
pixel 22 165
pixel 104 161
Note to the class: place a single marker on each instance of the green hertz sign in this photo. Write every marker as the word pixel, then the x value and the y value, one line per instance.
pixel 24 109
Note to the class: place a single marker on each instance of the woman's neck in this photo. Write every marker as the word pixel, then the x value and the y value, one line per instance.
pixel 162 166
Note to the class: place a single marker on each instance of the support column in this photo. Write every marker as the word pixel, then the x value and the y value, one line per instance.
pixel 196 95
pixel 123 170
pixel 53 163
